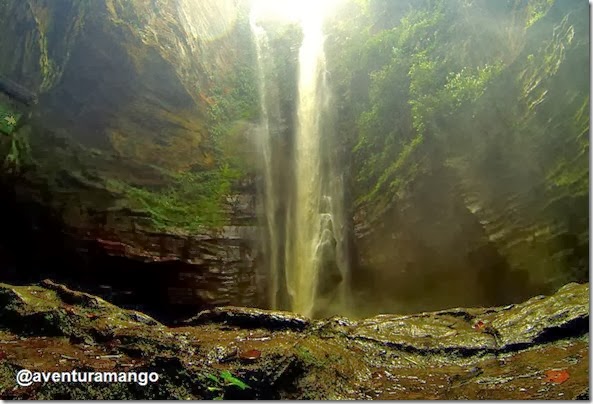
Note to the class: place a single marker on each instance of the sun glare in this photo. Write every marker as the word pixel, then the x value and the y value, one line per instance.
pixel 291 10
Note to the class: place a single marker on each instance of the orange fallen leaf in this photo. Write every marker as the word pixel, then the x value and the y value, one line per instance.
pixel 557 376
pixel 69 309
pixel 479 325
pixel 252 354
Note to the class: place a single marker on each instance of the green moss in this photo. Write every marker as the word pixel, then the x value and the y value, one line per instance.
pixel 16 151
pixel 229 102
pixel 8 119
pixel 194 200
pixel 307 357
pixel 536 10
pixel 507 105
pixel 397 175
pixel 31 296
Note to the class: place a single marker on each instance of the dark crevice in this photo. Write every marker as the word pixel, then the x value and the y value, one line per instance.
pixel 250 318
pixel 573 328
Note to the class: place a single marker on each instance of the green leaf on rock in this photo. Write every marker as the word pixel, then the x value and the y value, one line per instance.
pixel 229 378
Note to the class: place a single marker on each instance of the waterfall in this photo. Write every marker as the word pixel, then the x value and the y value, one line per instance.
pixel 269 202
pixel 304 241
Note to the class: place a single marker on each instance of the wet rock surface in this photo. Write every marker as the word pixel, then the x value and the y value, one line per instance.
pixel 535 350
pixel 251 318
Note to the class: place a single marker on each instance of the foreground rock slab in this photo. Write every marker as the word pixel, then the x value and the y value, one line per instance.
pixel 535 350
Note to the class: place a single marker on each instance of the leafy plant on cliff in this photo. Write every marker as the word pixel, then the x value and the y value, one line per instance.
pixel 232 103
pixel 424 67
pixel 494 90
pixel 17 151
pixel 194 200
pixel 219 383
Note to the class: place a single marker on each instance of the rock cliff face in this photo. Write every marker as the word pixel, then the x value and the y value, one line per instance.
pixel 469 148
pixel 127 93
pixel 430 252
pixel 469 135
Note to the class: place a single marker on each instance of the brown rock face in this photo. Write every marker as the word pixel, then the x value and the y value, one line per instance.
pixel 124 76
pixel 109 255
pixel 124 98
pixel 209 269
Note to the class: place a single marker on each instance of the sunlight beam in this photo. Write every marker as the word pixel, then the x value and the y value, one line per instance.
pixel 291 10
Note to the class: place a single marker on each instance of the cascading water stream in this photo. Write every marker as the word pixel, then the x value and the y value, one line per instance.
pixel 271 237
pixel 311 268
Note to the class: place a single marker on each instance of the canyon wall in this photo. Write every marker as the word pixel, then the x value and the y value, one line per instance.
pixel 468 129
pixel 138 149
pixel 463 129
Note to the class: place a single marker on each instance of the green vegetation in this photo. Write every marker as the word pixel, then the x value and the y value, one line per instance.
pixel 309 359
pixel 231 107
pixel 322 359
pixel 495 92
pixel 537 9
pixel 485 99
pixel 413 85
pixel 8 119
pixel 235 102
pixel 232 98
pixel 218 384
pixel 193 200
pixel 16 151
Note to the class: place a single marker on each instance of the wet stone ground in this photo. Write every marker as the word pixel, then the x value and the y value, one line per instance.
pixel 535 350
